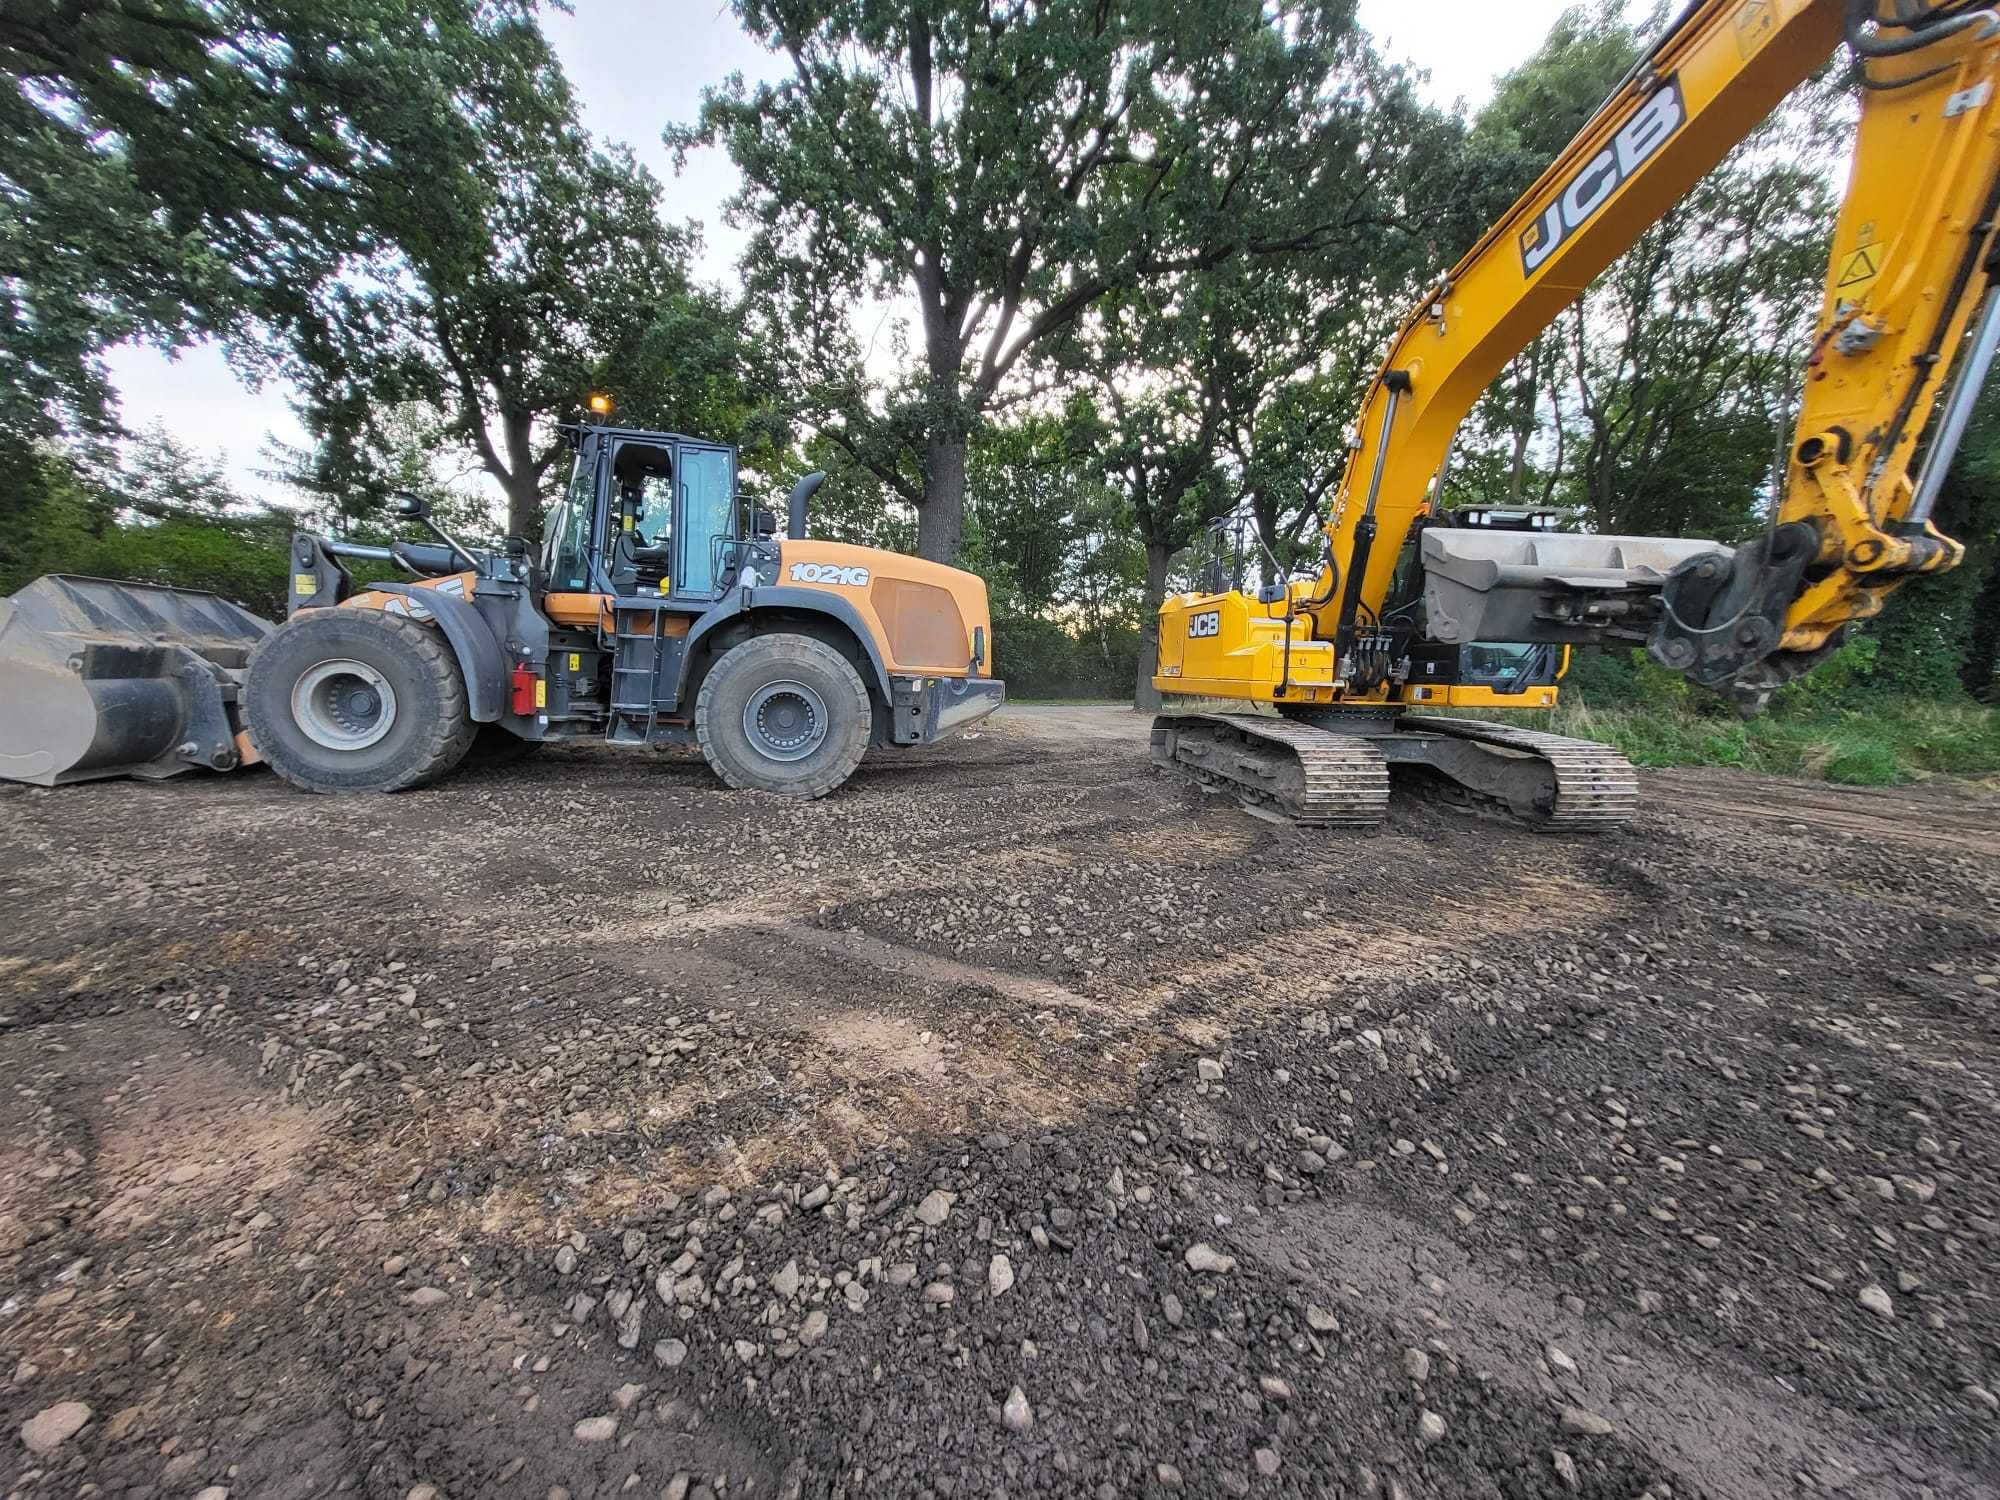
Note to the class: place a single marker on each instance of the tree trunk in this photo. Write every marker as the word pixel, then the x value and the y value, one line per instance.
pixel 1524 424
pixel 524 507
pixel 1517 468
pixel 1144 695
pixel 941 517
pixel 524 499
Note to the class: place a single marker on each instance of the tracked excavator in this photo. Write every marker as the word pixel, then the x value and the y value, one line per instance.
pixel 1416 608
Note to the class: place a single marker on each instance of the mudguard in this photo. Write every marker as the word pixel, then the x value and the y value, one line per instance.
pixel 480 659
pixel 804 601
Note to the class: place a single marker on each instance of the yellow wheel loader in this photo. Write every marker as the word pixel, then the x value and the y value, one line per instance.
pixel 661 609
pixel 1416 608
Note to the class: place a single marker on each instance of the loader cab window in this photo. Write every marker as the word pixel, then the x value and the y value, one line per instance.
pixel 642 520
pixel 708 517
pixel 653 509
pixel 645 475
pixel 566 531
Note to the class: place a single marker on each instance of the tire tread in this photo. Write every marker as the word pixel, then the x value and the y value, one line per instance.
pixel 782 649
pixel 440 747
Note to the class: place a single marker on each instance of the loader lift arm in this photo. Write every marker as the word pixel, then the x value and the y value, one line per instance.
pixel 1912 255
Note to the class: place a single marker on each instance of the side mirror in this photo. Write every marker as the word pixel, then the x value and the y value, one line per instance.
pixel 763 522
pixel 410 507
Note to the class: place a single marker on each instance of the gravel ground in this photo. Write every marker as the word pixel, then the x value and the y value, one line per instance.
pixel 1015 1122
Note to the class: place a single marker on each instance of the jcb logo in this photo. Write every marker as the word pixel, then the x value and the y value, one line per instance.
pixel 1207 623
pixel 1658 118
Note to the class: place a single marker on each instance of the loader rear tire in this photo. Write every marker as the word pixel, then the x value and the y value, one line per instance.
pixel 783 713
pixel 356 700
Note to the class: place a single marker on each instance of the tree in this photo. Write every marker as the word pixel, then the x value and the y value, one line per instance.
pixel 522 275
pixel 1536 109
pixel 1657 401
pixel 176 166
pixel 1685 357
pixel 156 511
pixel 1159 369
pixel 1940 634
pixel 1008 167
pixel 1031 491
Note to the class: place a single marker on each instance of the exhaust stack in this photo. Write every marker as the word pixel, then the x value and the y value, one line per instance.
pixel 795 506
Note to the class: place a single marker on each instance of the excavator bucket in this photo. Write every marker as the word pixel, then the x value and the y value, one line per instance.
pixel 1546 587
pixel 99 678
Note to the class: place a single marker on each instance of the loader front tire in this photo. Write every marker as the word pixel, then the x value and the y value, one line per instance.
pixel 356 700
pixel 783 713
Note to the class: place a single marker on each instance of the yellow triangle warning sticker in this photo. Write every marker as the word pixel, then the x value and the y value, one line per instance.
pixel 1861 266
pixel 1755 21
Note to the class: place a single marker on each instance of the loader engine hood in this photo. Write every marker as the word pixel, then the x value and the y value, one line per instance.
pixel 928 618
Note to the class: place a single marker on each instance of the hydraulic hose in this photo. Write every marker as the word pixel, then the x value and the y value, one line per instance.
pixel 1861 13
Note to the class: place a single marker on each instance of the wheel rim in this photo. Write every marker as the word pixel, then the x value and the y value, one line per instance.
pixel 343 704
pixel 785 720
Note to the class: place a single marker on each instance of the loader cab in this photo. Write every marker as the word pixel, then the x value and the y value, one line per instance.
pixel 644 513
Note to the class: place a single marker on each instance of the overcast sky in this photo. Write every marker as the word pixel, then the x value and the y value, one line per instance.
pixel 638 64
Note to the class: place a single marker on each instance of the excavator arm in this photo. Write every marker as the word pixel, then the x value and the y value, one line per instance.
pixel 1912 255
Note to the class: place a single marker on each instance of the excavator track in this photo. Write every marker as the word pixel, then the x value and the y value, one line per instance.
pixel 1595 787
pixel 1304 775
pixel 1307 774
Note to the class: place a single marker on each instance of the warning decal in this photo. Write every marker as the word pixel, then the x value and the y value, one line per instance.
pixel 1861 266
pixel 1755 21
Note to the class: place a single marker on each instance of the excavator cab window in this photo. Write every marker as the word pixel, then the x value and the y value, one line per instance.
pixel 1404 602
pixel 1507 667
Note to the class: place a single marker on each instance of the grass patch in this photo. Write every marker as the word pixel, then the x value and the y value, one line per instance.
pixel 1883 744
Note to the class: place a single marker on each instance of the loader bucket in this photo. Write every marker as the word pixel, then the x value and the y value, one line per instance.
pixel 119 679
pixel 1545 587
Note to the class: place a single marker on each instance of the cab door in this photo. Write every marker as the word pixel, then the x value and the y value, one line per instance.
pixel 706 519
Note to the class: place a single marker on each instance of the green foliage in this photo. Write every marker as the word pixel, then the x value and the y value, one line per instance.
pixel 1657 402
pixel 162 516
pixel 1010 170
pixel 1042 659
pixel 1892 740
pixel 1031 495
pixel 204 162
pixel 1850 720
pixel 527 269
